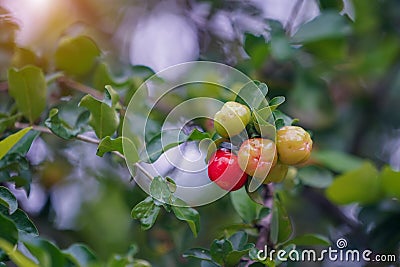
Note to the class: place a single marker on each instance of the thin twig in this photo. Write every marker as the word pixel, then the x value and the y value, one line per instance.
pixel 83 138
pixel 67 82
pixel 293 15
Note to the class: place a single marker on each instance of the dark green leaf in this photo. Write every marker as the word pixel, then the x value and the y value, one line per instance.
pixel 80 255
pixel 189 215
pixel 315 176
pixel 275 102
pixel 281 226
pixel 146 212
pixel 8 230
pixel 160 191
pixel 281 119
pixel 108 145
pixel 6 121
pixel 219 249
pixel 361 185
pixel 281 49
pixel 328 24
pixel 198 253
pixel 338 5
pixel 336 160
pixel 103 119
pixel 22 147
pixel 48 254
pixel 247 209
pixel 238 240
pixel 111 97
pixel 233 257
pixel 7 144
pixel 8 199
pixel 76 55
pixel 21 221
pixel 60 127
pixel 257 48
pixel 28 87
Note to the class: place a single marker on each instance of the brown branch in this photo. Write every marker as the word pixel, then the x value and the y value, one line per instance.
pixel 329 208
pixel 84 138
pixel 69 83
pixel 265 223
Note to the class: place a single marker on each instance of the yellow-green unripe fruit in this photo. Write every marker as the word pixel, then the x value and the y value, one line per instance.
pixel 277 173
pixel 294 145
pixel 231 119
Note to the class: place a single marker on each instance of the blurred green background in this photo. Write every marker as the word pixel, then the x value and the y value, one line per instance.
pixel 338 64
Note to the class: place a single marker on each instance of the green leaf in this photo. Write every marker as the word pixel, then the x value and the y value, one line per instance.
pixel 247 209
pixel 24 144
pixel 219 249
pixel 361 185
pixel 281 49
pixel 328 24
pixel 8 143
pixel 310 240
pixel 76 55
pixel 160 190
pixel 281 226
pixel 238 240
pixel 275 102
pixel 21 221
pixel 257 48
pixel 189 215
pixel 336 160
pixel 338 5
pixel 146 212
pixel 60 127
pixel 281 119
pixel 315 176
pixel 6 121
pixel 233 257
pixel 263 127
pixel 102 77
pixel 390 182
pixel 108 145
pixel 168 139
pixel 15 255
pixel 251 97
pixel 103 118
pixel 111 97
pixel 80 255
pixel 28 87
pixel 48 254
pixel 8 230
pixel 198 253
pixel 8 199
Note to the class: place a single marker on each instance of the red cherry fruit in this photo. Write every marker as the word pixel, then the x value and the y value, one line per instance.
pixel 224 170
